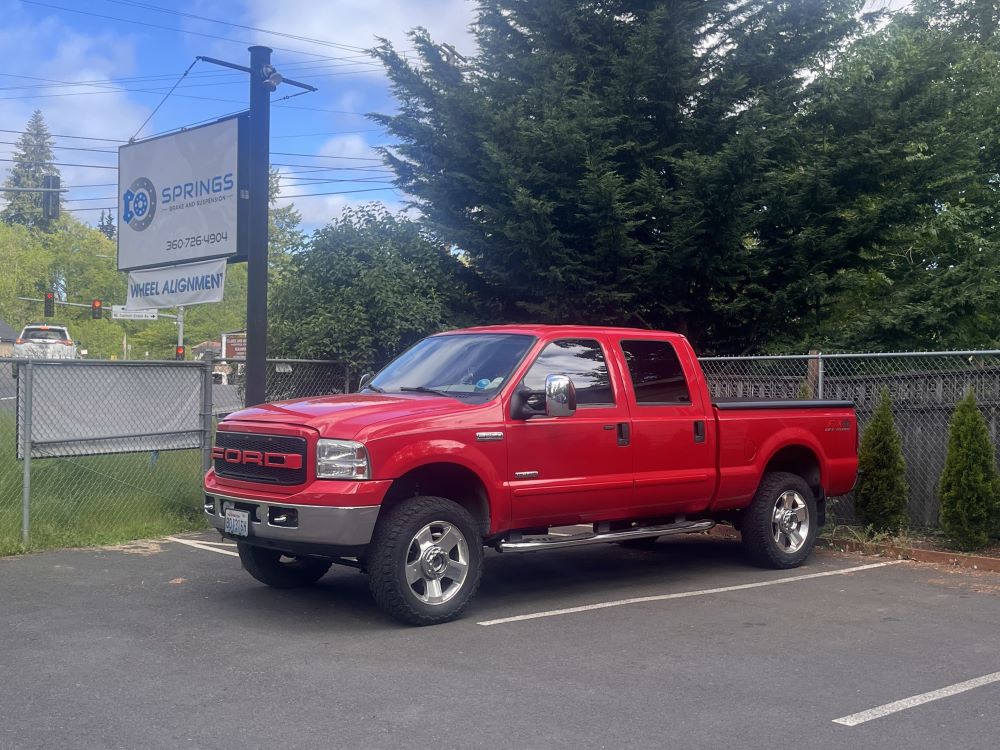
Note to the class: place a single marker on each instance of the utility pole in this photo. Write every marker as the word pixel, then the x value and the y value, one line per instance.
pixel 260 146
pixel 180 326
pixel 263 80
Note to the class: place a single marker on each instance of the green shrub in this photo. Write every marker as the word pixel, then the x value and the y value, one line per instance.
pixel 969 483
pixel 880 497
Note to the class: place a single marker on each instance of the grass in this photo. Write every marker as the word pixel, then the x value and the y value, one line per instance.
pixel 96 500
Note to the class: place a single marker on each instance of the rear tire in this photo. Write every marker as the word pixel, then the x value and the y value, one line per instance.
pixel 425 561
pixel 779 528
pixel 280 571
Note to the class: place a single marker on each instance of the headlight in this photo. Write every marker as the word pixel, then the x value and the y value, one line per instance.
pixel 341 459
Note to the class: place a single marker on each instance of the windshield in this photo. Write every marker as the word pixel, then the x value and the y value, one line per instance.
pixel 463 365
pixel 45 334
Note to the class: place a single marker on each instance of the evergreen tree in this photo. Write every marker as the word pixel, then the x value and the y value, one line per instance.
pixel 107 225
pixel 606 161
pixel 32 161
pixel 880 497
pixel 970 485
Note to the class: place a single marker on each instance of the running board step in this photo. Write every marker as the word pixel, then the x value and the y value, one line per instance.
pixel 644 532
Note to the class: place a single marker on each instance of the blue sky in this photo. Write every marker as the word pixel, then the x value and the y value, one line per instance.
pixel 97 69
pixel 100 77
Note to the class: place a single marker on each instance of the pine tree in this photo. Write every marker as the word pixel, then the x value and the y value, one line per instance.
pixel 970 483
pixel 107 225
pixel 32 161
pixel 880 497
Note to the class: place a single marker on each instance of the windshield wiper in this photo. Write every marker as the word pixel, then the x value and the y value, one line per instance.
pixel 425 389
pixel 374 388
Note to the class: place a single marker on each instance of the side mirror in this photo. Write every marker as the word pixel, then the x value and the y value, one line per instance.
pixel 364 380
pixel 560 396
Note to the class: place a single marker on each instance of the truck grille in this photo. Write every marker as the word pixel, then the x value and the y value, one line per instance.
pixel 263 445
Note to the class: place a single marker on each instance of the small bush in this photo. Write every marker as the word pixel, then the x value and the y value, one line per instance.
pixel 969 483
pixel 880 497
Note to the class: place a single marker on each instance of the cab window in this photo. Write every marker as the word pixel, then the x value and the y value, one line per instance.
pixel 581 359
pixel 656 372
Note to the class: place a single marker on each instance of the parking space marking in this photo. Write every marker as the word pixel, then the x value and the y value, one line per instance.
pixel 202 545
pixel 916 700
pixel 684 594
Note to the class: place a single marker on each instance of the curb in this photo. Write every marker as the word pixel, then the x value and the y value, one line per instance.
pixel 953 559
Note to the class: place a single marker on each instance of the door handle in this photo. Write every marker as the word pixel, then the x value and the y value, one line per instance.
pixel 699 431
pixel 624 433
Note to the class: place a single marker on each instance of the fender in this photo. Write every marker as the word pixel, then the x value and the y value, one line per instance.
pixel 413 455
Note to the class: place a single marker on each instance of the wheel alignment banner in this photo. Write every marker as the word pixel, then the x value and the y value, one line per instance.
pixel 173 286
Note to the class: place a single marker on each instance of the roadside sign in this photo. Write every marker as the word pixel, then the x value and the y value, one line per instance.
pixel 180 197
pixel 118 312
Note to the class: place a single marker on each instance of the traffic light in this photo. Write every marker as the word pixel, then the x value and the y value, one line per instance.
pixel 50 304
pixel 96 309
pixel 179 352
pixel 50 198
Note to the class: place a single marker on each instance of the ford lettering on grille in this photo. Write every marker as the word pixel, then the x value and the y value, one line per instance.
pixel 268 459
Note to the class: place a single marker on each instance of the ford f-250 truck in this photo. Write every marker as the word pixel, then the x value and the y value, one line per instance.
pixel 490 437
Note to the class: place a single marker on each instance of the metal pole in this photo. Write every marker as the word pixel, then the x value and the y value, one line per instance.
pixel 260 136
pixel 26 452
pixel 180 326
pixel 206 415
pixel 819 378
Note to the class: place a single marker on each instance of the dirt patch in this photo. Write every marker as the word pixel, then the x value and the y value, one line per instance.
pixel 143 547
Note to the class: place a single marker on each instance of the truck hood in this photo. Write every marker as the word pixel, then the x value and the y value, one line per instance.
pixel 344 416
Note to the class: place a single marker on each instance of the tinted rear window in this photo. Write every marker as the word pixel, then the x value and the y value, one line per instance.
pixel 656 372
pixel 42 334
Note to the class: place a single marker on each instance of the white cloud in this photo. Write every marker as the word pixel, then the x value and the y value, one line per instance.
pixel 359 22
pixel 53 49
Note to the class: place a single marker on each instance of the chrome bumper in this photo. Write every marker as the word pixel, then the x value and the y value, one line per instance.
pixel 316 524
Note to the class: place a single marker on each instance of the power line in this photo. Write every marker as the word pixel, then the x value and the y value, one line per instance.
pixel 336 192
pixel 66 164
pixel 76 137
pixel 324 156
pixel 296 37
pixel 160 26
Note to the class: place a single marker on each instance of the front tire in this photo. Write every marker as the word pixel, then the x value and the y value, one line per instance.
pixel 425 561
pixel 280 571
pixel 779 528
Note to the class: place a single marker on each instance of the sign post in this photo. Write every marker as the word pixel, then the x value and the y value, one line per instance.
pixel 260 137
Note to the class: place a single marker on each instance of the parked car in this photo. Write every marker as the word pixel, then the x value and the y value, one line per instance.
pixel 43 341
pixel 493 436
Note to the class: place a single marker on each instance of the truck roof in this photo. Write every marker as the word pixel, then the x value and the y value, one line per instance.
pixel 569 330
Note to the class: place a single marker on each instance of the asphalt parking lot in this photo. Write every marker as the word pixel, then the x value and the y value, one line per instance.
pixel 170 644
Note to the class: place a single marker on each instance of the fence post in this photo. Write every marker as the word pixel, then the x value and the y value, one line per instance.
pixel 819 377
pixel 206 414
pixel 26 452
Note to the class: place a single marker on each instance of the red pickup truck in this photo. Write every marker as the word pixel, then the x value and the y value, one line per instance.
pixel 492 436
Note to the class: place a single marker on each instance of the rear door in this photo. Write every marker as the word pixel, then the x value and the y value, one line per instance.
pixel 577 468
pixel 673 433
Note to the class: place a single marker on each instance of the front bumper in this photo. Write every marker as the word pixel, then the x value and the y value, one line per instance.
pixel 325 525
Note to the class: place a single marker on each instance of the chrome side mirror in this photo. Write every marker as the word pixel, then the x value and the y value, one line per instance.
pixel 560 396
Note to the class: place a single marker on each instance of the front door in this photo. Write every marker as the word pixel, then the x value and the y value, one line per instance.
pixel 571 469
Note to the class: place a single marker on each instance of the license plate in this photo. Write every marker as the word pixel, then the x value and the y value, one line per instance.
pixel 237 522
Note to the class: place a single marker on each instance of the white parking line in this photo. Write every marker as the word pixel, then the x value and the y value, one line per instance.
pixel 200 545
pixel 684 594
pixel 916 700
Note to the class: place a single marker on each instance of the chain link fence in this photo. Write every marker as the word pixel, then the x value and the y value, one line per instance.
pixel 112 454
pixel 925 388
pixel 101 488
pixel 285 379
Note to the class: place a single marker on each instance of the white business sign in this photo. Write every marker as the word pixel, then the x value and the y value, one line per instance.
pixel 118 312
pixel 179 197
pixel 173 286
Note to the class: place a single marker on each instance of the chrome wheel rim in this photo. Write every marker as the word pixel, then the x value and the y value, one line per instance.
pixel 790 521
pixel 437 562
